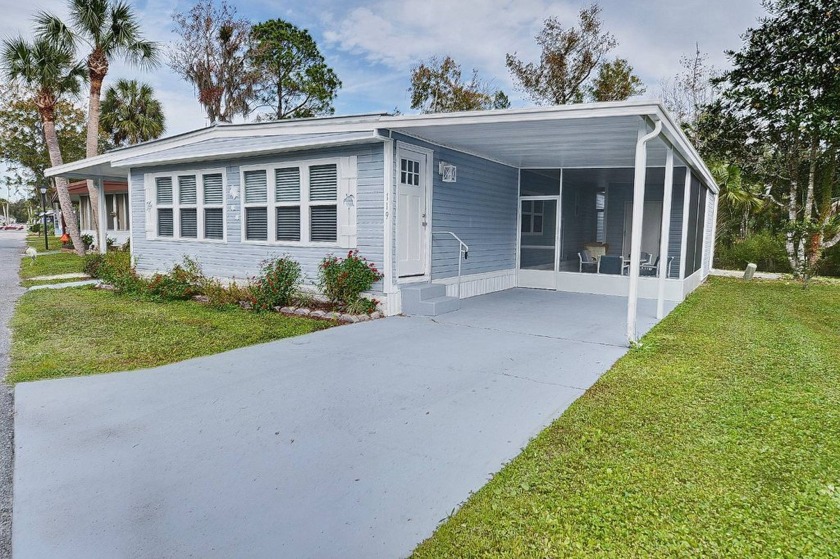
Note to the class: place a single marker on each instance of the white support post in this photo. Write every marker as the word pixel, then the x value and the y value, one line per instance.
pixel 666 232
pixel 102 241
pixel 636 228
pixel 684 238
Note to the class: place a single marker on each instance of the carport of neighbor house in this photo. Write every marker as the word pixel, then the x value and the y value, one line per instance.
pixel 350 442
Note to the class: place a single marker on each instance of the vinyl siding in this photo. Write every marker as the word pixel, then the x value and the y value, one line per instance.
pixel 234 259
pixel 481 208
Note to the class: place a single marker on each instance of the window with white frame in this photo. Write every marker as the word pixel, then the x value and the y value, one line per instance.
pixel 533 213
pixel 289 203
pixel 190 206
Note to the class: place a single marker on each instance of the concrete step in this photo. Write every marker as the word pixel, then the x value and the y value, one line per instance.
pixel 417 292
pixel 427 299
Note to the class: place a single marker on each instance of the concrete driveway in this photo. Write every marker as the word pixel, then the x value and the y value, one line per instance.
pixel 351 442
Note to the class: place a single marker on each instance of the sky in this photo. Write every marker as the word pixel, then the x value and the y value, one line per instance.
pixel 373 44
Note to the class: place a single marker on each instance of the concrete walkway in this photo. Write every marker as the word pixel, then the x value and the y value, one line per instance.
pixel 351 442
pixel 11 245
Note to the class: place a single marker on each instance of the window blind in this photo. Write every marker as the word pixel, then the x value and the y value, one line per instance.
pixel 288 223
pixel 323 224
pixel 214 223
pixel 164 190
pixel 189 223
pixel 165 223
pixel 213 189
pixel 187 190
pixel 323 182
pixel 255 187
pixel 256 224
pixel 287 184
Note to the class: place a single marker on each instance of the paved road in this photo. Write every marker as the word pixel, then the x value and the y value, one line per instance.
pixel 350 442
pixel 11 246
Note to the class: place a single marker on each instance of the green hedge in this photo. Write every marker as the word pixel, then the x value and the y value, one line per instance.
pixel 765 250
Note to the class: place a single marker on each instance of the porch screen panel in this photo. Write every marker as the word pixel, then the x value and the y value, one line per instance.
pixel 538 225
pixel 691 223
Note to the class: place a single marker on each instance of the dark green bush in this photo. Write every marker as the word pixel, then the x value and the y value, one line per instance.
pixel 183 281
pixel 277 284
pixel 829 265
pixel 114 268
pixel 763 249
pixel 344 280
pixel 35 227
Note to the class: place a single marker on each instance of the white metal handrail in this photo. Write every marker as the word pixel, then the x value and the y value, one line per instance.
pixel 463 250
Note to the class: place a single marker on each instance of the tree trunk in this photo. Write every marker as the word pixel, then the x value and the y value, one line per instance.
pixel 97 69
pixel 51 139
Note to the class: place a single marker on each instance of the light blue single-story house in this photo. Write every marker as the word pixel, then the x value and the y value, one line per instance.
pixel 603 198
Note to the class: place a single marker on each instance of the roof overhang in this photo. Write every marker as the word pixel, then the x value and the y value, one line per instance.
pixel 583 135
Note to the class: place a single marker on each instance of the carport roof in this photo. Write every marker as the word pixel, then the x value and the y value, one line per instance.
pixel 583 135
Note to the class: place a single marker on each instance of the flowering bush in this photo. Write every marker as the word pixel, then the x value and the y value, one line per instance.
pixel 344 280
pixel 278 282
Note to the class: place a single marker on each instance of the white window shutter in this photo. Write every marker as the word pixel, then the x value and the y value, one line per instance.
pixel 149 203
pixel 348 201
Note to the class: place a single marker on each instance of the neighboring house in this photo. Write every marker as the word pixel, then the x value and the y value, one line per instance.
pixel 526 190
pixel 116 209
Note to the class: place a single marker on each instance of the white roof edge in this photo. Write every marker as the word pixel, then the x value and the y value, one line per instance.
pixel 127 162
pixel 372 122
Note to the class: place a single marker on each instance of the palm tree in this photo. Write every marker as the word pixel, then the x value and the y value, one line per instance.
pixel 736 194
pixel 109 29
pixel 131 114
pixel 49 70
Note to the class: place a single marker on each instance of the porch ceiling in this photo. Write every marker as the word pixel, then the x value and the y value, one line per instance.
pixel 581 142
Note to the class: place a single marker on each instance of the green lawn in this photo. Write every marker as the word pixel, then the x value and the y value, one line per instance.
pixel 81 331
pixel 49 265
pixel 720 437
pixel 37 242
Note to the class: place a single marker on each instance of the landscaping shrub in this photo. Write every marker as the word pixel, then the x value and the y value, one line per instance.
pixel 114 268
pixel 183 281
pixel 220 296
pixel 765 250
pixel 277 284
pixel 87 240
pixel 344 280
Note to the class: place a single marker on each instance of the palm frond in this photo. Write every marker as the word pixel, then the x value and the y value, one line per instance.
pixel 50 27
pixel 89 18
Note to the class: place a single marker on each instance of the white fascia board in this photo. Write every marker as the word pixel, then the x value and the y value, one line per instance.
pixel 563 112
pixel 228 154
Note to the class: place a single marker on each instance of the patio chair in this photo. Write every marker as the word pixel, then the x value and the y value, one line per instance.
pixel 653 269
pixel 587 260
pixel 611 265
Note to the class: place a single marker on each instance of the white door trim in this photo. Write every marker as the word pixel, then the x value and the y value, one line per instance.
pixel 428 185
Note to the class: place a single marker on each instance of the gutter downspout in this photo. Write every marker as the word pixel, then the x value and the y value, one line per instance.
pixel 636 230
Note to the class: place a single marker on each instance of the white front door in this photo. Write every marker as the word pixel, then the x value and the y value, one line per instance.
pixel 412 215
